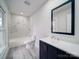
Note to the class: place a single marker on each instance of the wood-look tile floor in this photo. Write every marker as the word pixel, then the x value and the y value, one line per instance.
pixel 20 53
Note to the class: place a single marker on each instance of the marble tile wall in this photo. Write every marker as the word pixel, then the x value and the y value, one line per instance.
pixel 19 26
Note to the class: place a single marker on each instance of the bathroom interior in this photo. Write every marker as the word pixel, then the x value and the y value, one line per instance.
pixel 39 29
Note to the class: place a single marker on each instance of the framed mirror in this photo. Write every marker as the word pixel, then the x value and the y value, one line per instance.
pixel 62 18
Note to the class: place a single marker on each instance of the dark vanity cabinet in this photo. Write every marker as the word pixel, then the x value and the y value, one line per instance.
pixel 46 51
pixel 43 50
pixel 50 52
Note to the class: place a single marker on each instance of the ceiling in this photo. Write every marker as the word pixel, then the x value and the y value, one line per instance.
pixel 19 7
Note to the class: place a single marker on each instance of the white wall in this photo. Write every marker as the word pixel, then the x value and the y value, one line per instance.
pixel 41 22
pixel 19 26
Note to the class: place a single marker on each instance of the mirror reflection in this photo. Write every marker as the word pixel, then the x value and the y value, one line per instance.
pixel 62 18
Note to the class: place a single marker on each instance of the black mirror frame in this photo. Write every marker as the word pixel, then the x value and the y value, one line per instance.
pixel 72 18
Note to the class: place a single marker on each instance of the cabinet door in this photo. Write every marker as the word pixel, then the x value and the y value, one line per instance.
pixel 43 50
pixel 52 52
pixel 64 55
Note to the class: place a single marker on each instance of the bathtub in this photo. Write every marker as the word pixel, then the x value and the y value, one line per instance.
pixel 20 41
pixel 30 45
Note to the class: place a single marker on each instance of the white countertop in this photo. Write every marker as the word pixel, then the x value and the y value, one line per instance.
pixel 65 46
